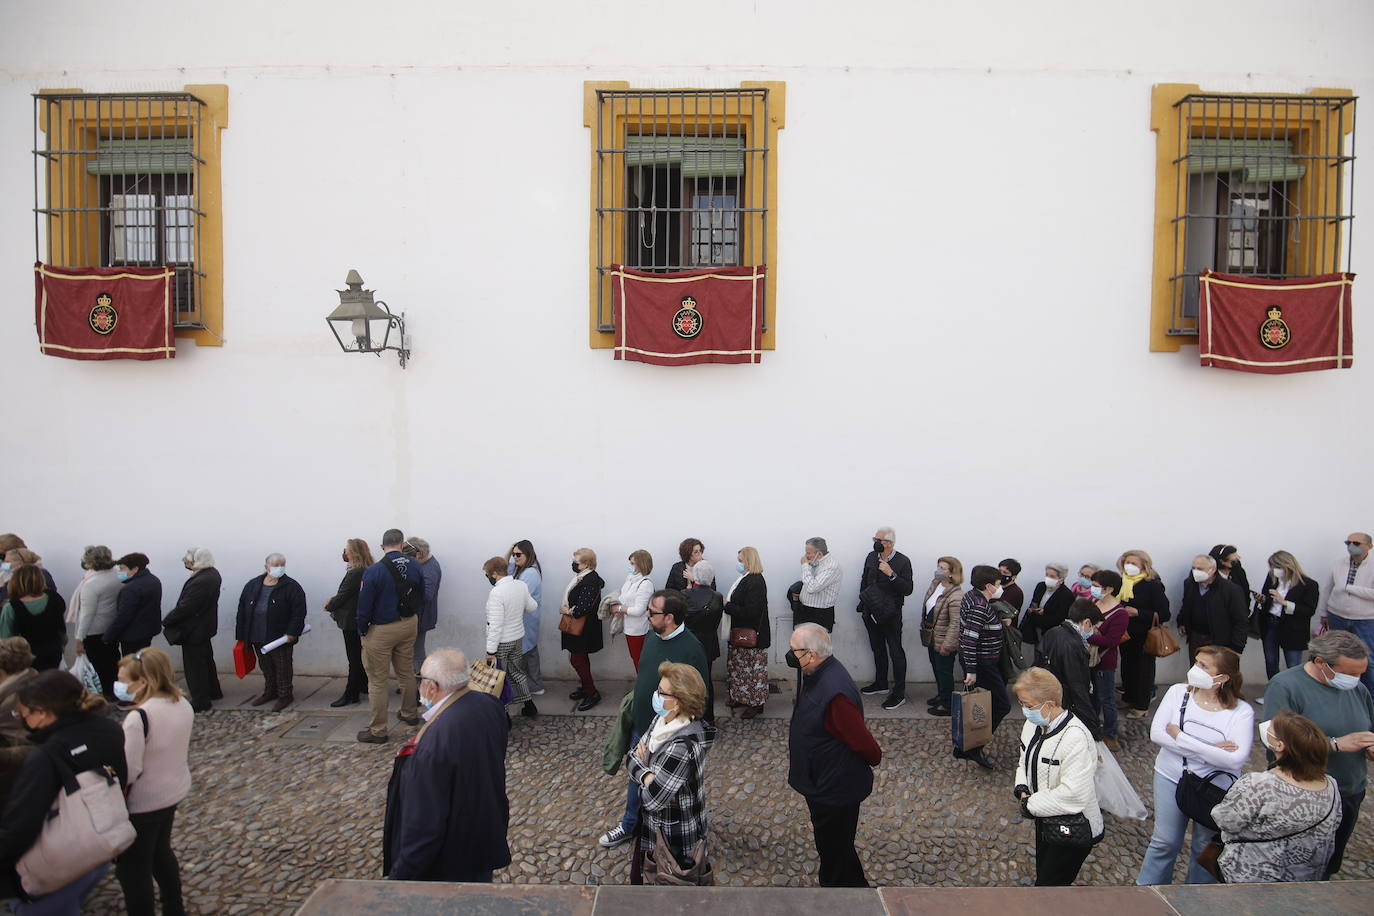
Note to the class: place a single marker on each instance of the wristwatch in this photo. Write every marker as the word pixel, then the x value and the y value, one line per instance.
pixel 1334 746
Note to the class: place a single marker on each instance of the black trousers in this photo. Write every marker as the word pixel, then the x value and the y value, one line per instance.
pixel 886 639
pixel 1137 672
pixel 202 680
pixel 990 679
pixel 825 616
pixel 834 829
pixel 357 674
pixel 105 659
pixel 151 858
pixel 130 646
pixel 1057 866
pixel 710 713
pixel 1350 813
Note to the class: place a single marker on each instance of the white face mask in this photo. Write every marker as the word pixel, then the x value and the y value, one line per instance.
pixel 1264 729
pixel 1201 575
pixel 1200 679
pixel 1130 569
pixel 1051 583
pixel 997 594
pixel 1278 573
pixel 276 572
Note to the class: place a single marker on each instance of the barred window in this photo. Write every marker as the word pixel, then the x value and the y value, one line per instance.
pixel 681 179
pixel 123 179
pixel 1255 184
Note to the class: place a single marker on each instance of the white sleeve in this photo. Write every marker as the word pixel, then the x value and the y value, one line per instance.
pixel 1076 789
pixel 637 604
pixel 495 615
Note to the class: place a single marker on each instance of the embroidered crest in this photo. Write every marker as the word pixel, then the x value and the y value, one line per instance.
pixel 687 322
pixel 1274 333
pixel 103 317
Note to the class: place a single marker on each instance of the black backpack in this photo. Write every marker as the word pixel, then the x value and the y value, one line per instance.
pixel 410 597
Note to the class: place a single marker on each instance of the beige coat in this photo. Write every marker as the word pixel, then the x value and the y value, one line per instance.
pixel 945 616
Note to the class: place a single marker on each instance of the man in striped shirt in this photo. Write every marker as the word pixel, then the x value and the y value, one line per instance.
pixel 821 577
pixel 980 647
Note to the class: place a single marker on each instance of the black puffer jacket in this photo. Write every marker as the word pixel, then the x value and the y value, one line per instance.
pixel 195 619
pixel 138 612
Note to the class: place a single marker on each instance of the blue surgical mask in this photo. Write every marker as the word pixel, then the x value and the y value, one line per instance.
pixel 739 567
pixel 659 708
pixel 1354 549
pixel 1342 681
pixel 122 574
pixel 813 563
pixel 6 567
pixel 1095 591
pixel 426 703
pixel 1034 716
pixel 1085 582
pixel 276 572
pixel 632 569
pixel 122 692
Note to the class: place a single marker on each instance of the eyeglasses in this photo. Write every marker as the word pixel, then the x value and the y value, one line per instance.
pixel 516 553
pixel 654 613
pixel 1354 543
pixel 667 696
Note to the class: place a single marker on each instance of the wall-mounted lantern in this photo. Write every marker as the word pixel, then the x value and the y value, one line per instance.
pixel 357 316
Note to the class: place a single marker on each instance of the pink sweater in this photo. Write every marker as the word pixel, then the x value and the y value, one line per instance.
pixel 159 771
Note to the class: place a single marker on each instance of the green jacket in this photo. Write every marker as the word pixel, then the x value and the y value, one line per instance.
pixel 618 741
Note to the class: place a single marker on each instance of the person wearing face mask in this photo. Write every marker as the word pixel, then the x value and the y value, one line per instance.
pixel 746 666
pixel 1202 727
pixel 831 753
pixel 1063 652
pixel 523 564
pixel 1215 611
pixel 193 623
pixel 883 587
pixel 940 629
pixel 35 613
pixel 1050 601
pixel 1082 585
pixel 1327 690
pixel 1285 611
pixel 1009 569
pixel 138 609
pixel 980 648
pixel 1054 778
pixel 705 609
pixel 1347 597
pixel 432 576
pixel 16 670
pixel 1227 557
pixel 1105 650
pixel 581 599
pixel 66 720
pixel 451 772
pixel 14 558
pixel 1280 824
pixel 1143 593
pixel 96 601
pixel 343 607
pixel 507 603
pixel 633 603
pixel 821 578
pixel 272 605
pixel 669 641
pixel 669 765
pixel 157 745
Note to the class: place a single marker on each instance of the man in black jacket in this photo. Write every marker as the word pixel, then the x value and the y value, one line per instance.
pixel 270 607
pixel 193 623
pixel 883 588
pixel 1063 651
pixel 1215 610
pixel 138 609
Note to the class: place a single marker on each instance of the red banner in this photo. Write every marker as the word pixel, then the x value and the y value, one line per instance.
pixel 689 316
pixel 104 312
pixel 1252 324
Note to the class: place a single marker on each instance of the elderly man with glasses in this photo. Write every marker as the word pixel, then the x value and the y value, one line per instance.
pixel 883 587
pixel 1347 596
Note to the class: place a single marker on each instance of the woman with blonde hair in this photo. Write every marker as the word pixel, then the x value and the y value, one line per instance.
pixel 157 744
pixel 746 656
pixel 581 599
pixel 1142 591
pixel 1288 601
pixel 633 603
pixel 343 607
pixel 940 629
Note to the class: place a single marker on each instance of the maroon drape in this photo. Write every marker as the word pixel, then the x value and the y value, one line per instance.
pixel 104 312
pixel 681 318
pixel 1252 324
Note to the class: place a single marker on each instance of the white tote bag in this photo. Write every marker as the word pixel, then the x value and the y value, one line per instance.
pixel 87 826
pixel 1114 791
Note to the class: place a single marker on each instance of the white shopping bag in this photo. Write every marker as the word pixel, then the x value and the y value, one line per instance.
pixel 1114 791
pixel 84 671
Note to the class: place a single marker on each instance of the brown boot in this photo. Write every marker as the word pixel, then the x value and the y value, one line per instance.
pixel 282 704
pixel 750 712
pixel 265 698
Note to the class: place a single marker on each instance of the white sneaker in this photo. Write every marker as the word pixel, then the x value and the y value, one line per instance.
pixel 614 837
pixel 537 693
pixel 1260 701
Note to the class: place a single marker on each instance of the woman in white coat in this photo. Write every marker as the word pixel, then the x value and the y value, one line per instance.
pixel 1054 780
pixel 634 602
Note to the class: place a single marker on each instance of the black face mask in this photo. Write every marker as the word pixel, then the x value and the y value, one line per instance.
pixel 575 568
pixel 491 579
pixel 878 548
pixel 1007 580
pixel 792 660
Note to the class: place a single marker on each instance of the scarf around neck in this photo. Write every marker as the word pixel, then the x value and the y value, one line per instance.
pixel 1128 586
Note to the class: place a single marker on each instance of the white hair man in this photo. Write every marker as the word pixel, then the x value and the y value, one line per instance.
pixel 1215 610
pixel 821 578
pixel 883 587
pixel 271 606
pixel 193 623
pixel 831 753
pixel 452 772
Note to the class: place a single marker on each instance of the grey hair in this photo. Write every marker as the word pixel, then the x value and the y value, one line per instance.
pixel 421 546
pixel 271 557
pixel 97 557
pixel 817 544
pixel 446 667
pixel 1211 560
pixel 703 573
pixel 199 558
pixel 814 637
pixel 1336 644
pixel 1093 566
pixel 392 537
pixel 890 532
pixel 1060 568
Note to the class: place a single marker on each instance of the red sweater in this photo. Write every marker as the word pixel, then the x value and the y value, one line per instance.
pixel 1108 637
pixel 845 721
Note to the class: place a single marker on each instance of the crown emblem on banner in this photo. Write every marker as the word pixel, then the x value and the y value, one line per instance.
pixel 1274 333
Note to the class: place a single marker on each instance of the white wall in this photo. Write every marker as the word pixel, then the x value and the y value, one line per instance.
pixel 962 324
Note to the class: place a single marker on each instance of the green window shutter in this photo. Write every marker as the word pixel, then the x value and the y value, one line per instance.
pixel 1259 160
pixel 699 157
pixel 161 156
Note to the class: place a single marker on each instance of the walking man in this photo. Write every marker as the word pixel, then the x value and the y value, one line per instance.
pixel 391 595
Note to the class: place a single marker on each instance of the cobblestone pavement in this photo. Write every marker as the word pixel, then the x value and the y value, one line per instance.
pixel 269 819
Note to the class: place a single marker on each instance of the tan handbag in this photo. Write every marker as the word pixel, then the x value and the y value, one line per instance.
pixel 1159 642
pixel 661 867
pixel 485 677
pixel 87 826
pixel 571 625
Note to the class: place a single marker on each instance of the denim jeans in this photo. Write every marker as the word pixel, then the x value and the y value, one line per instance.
pixel 1104 698
pixel 630 819
pixel 1292 658
pixel 64 901
pixel 1167 841
pixel 1363 629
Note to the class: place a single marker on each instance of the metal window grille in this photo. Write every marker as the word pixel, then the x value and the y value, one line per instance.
pixel 1264 185
pixel 116 181
pixel 681 181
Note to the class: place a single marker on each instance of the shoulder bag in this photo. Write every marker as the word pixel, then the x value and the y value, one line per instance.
pixel 88 825
pixel 1196 796
pixel 487 677
pixel 1159 642
pixel 571 625
pixel 1065 830
pixel 1215 847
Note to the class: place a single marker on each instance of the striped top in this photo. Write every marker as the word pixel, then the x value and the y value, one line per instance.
pixel 821 586
pixel 980 631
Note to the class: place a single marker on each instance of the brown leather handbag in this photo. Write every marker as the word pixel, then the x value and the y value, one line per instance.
pixel 1159 642
pixel 743 638
pixel 571 625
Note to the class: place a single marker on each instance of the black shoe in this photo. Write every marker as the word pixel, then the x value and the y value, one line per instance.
pixel 976 755
pixel 941 711
pixel 577 694
pixel 344 700
pixel 874 689
pixel 958 754
pixel 894 700
pixel 933 701
pixel 589 701
pixel 774 688
pixel 529 709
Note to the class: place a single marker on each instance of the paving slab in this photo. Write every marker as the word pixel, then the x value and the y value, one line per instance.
pixel 329 690
pixel 414 898
pixel 349 726
pixel 1344 897
pixel 755 901
pixel 1038 901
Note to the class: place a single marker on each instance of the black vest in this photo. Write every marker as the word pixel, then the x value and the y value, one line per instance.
pixel 823 768
pixel 43 631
